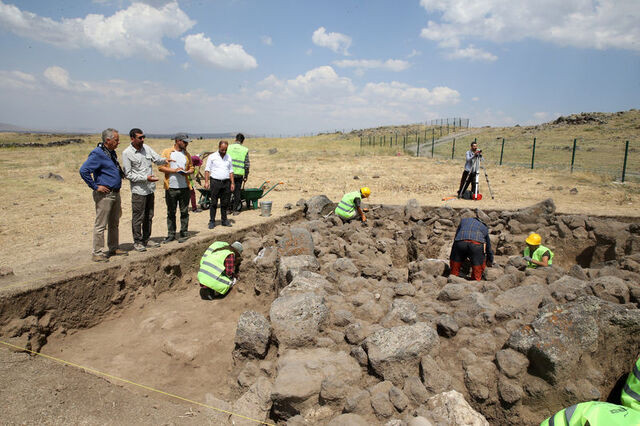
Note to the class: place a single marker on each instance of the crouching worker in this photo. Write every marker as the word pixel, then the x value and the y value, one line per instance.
pixel 594 413
pixel 631 392
pixel 219 268
pixel 349 207
pixel 471 242
pixel 535 253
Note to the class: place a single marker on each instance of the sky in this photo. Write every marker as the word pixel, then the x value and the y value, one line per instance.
pixel 292 67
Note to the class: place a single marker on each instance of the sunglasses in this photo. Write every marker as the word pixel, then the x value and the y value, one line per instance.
pixel 141 137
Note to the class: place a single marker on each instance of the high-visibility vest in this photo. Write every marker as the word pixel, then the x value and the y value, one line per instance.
pixel 631 392
pixel 211 273
pixel 537 255
pixel 346 207
pixel 597 413
pixel 238 154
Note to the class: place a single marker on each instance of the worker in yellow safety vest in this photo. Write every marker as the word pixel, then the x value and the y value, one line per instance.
pixel 631 392
pixel 594 413
pixel 240 161
pixel 535 253
pixel 219 267
pixel 349 207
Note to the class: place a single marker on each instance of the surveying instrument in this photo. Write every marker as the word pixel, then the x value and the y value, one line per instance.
pixel 476 164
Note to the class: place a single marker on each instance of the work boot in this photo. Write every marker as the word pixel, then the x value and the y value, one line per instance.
pixel 184 236
pixel 212 225
pixel 226 223
pixel 117 252
pixel 151 244
pixel 169 239
pixel 99 258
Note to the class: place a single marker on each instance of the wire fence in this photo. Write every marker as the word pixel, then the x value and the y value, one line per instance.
pixel 461 123
pixel 616 159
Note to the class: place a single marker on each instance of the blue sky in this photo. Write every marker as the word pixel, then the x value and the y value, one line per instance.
pixel 294 67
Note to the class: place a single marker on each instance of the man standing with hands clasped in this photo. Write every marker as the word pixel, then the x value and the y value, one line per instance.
pixel 137 162
pixel 177 186
pixel 218 174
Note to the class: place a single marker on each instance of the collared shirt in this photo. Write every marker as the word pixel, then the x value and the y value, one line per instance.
pixel 468 166
pixel 100 169
pixel 473 229
pixel 219 167
pixel 177 159
pixel 137 167
pixel 230 265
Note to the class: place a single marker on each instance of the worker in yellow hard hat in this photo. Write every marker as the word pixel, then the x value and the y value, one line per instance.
pixel 349 207
pixel 535 253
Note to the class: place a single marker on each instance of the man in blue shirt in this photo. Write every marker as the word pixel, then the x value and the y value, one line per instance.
pixel 471 242
pixel 104 176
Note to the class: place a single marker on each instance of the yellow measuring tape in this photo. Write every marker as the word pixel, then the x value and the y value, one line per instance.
pixel 61 361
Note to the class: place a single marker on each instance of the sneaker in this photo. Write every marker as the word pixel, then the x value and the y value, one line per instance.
pixel 197 210
pixel 226 223
pixel 99 258
pixel 183 238
pixel 169 239
pixel 139 247
pixel 152 244
pixel 236 213
pixel 118 252
pixel 212 225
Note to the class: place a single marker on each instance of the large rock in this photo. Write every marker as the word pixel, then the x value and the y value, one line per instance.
pixel 429 267
pixel 612 289
pixel 318 206
pixel 296 242
pixel 394 353
pixel 569 288
pixel 296 319
pixel 413 211
pixel 450 408
pixel 533 214
pixel 521 301
pixel 255 404
pixel 252 335
pixel 291 266
pixel 306 282
pixel 300 374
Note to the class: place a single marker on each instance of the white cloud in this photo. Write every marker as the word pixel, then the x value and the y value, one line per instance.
pixel 266 40
pixel 337 42
pixel 58 76
pixel 361 64
pixel 413 53
pixel 227 56
pixel 403 93
pixel 17 80
pixel 475 99
pixel 598 24
pixel 137 30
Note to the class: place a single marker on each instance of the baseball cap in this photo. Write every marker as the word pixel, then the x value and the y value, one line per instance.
pixel 237 246
pixel 181 137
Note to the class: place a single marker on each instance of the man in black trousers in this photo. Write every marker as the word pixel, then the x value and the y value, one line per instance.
pixel 218 174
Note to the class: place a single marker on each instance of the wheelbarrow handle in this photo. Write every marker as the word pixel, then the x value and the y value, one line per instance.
pixel 271 189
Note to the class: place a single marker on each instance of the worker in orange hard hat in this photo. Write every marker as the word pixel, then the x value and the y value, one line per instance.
pixel 349 207
pixel 535 253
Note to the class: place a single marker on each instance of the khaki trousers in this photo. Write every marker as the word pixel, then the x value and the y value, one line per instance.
pixel 108 212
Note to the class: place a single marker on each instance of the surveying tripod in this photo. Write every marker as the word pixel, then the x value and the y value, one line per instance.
pixel 476 163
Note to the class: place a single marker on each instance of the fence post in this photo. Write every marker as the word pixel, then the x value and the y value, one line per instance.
pixel 573 154
pixel 433 144
pixel 418 141
pixel 624 165
pixel 533 152
pixel 360 141
pixel 453 148
pixel 404 142
pixel 501 151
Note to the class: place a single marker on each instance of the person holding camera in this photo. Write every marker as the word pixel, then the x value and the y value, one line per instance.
pixel 468 175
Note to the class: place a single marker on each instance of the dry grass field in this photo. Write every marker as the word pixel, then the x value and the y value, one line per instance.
pixel 46 225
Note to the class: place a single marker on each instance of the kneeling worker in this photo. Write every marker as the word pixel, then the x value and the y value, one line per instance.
pixel 535 253
pixel 349 206
pixel 219 268
pixel 471 242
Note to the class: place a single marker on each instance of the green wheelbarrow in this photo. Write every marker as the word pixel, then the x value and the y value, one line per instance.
pixel 252 195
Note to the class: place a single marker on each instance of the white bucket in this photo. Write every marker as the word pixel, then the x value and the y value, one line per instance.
pixel 265 208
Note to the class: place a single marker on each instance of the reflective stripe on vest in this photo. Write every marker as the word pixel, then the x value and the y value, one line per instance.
pixel 595 413
pixel 631 391
pixel 537 255
pixel 346 207
pixel 211 273
pixel 238 154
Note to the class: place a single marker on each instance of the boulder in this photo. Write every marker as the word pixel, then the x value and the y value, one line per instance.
pixel 435 379
pixel 569 288
pixel 513 364
pixel 521 301
pixel 450 408
pixel 318 206
pixel 296 319
pixel 612 289
pixel 255 404
pixel 252 335
pixel 413 211
pixel 478 378
pixel 533 214
pixel 291 266
pixel 306 282
pixel 394 353
pixel 296 242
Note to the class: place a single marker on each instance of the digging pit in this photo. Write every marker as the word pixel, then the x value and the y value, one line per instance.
pixel 335 323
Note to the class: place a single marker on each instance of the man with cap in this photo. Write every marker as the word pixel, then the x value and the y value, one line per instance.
pixel 177 186
pixel 349 207
pixel 240 160
pixel 536 254
pixel 137 160
pixel 471 242
pixel 103 174
pixel 219 268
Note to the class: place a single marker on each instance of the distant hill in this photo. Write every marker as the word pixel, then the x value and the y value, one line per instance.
pixel 5 127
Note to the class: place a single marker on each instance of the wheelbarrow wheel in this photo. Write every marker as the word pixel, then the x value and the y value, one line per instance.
pixel 205 205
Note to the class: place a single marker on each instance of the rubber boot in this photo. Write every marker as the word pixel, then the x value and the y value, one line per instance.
pixel 476 272
pixel 455 267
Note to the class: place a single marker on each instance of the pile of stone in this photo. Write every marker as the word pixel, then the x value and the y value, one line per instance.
pixel 369 328
pixel 583 118
pixel 42 145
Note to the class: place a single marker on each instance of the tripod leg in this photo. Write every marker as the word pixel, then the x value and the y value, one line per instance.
pixel 486 176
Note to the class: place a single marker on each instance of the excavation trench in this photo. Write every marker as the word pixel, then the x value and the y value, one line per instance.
pixel 144 320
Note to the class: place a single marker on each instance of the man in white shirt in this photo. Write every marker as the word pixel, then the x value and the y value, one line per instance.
pixel 177 186
pixel 218 174
pixel 137 162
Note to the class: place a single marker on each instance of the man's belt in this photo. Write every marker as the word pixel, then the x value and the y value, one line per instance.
pixel 220 180
pixel 472 242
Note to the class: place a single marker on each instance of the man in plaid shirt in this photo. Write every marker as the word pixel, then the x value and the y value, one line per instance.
pixel 471 242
